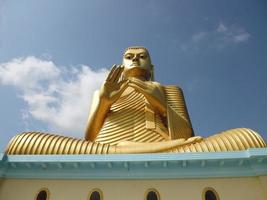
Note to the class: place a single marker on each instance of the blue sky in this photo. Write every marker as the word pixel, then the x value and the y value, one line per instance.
pixel 54 54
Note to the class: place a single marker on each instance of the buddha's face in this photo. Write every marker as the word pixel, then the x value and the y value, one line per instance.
pixel 136 62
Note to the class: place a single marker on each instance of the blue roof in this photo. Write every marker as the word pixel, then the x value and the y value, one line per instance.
pixel 252 162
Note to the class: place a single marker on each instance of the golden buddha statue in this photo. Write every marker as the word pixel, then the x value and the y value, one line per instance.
pixel 131 113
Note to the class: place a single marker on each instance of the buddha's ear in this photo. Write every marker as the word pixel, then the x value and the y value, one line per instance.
pixel 152 73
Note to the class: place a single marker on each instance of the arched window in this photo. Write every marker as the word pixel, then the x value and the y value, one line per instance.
pixel 152 194
pixel 210 194
pixel 95 194
pixel 43 194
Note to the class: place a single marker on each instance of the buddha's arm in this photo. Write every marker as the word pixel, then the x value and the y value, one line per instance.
pixel 110 91
pixel 179 123
pixel 98 112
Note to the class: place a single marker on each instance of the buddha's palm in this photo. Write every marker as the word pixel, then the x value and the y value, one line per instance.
pixel 112 88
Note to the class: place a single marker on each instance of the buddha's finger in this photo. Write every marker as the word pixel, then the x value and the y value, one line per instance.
pixel 114 76
pixel 111 72
pixel 118 74
pixel 120 70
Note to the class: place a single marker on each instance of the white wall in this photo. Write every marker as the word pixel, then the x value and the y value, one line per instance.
pixel 228 188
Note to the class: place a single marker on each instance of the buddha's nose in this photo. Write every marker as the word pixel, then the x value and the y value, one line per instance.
pixel 135 58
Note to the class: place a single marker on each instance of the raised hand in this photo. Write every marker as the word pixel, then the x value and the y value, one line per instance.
pixel 113 87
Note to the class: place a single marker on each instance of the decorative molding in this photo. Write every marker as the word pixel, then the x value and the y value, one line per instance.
pixel 252 162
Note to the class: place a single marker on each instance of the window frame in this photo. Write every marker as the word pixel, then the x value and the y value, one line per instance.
pixel 95 190
pixel 43 189
pixel 211 189
pixel 151 190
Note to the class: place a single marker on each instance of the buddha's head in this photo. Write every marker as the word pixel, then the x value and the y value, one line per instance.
pixel 137 63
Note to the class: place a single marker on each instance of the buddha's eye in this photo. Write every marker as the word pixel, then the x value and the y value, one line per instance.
pixel 143 56
pixel 128 56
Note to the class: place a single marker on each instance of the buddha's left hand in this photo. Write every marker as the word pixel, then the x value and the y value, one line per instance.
pixel 152 92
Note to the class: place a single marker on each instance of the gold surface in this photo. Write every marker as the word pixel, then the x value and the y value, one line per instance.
pixel 131 113
pixel 136 122
pixel 132 107
pixel 231 140
pixel 179 123
pixel 29 143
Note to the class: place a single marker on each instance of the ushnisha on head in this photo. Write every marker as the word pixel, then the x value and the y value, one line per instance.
pixel 137 63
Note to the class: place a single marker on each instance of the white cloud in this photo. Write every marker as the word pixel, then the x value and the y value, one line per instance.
pixel 241 37
pixel 57 96
pixel 221 28
pixel 199 36
pixel 219 37
pixel 27 73
pixel 234 34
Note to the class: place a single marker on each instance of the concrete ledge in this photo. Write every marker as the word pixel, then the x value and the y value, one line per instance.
pixel 252 162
